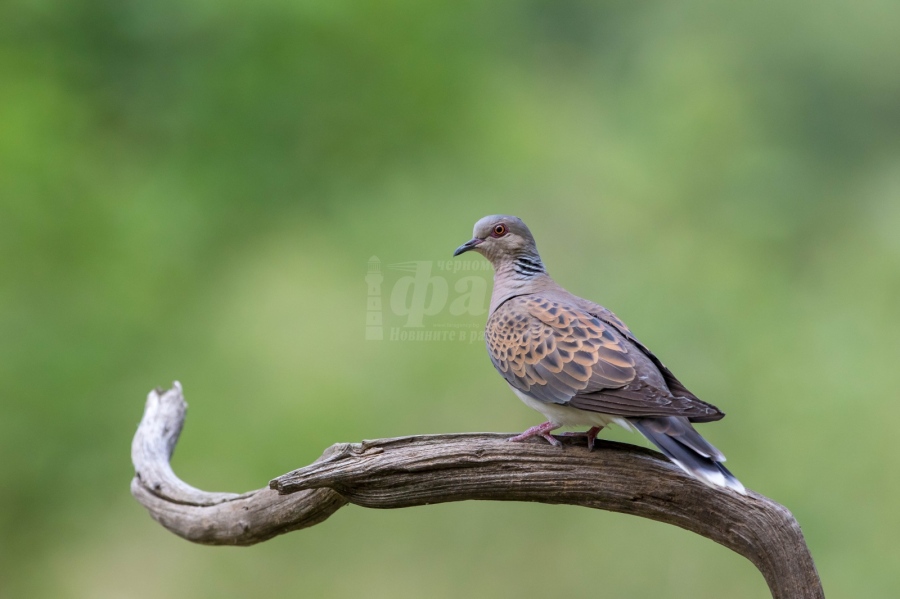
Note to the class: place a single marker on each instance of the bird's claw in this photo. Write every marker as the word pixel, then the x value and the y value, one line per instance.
pixel 550 439
pixel 553 440
pixel 542 430
pixel 590 435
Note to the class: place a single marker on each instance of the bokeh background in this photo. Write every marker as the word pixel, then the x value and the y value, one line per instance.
pixel 191 190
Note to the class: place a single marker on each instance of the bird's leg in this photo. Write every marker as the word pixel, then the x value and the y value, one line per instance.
pixel 590 434
pixel 542 430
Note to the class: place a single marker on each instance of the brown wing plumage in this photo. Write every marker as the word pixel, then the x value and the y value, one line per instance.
pixel 559 353
pixel 553 352
pixel 700 411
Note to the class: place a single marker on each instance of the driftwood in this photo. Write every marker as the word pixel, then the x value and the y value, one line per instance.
pixel 409 471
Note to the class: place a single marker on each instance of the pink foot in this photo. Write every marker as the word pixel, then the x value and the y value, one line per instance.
pixel 592 436
pixel 552 440
pixel 543 430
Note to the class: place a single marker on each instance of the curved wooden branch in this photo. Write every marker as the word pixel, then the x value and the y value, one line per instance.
pixel 409 471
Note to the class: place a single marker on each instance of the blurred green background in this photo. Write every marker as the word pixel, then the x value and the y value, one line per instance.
pixel 191 190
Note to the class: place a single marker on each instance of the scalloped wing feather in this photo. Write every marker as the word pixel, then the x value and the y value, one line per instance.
pixel 560 353
pixel 554 352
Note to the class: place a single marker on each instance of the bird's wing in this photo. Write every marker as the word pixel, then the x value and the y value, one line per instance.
pixel 553 351
pixel 558 353
pixel 675 386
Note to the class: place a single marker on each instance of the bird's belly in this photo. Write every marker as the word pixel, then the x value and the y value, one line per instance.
pixel 568 416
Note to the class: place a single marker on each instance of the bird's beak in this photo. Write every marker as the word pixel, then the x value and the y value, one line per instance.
pixel 469 245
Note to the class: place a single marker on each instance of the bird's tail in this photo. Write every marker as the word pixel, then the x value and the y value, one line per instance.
pixel 677 439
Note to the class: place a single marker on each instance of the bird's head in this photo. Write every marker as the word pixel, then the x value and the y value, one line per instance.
pixel 500 237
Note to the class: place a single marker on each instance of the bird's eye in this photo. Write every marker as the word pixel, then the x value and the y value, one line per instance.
pixel 499 230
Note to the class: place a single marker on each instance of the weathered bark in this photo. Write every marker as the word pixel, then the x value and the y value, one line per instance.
pixel 409 471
